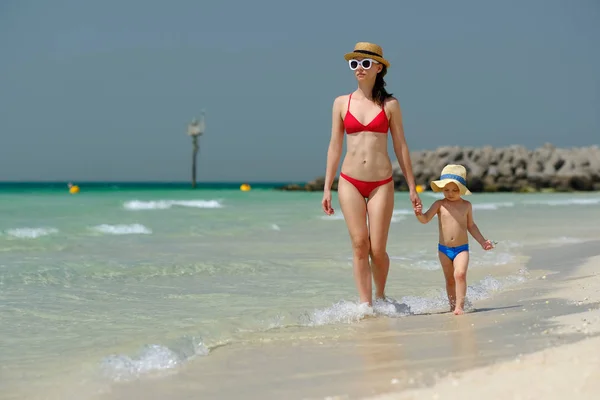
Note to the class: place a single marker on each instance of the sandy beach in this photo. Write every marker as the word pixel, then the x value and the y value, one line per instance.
pixel 570 371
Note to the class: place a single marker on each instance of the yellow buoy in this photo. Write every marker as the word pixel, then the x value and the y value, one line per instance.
pixel 245 187
pixel 420 189
pixel 73 188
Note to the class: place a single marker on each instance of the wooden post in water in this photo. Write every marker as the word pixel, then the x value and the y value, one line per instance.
pixel 195 130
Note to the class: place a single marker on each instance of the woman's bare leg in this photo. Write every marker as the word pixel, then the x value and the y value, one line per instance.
pixel 380 209
pixel 354 209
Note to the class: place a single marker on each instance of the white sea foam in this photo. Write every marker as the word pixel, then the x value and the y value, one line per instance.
pixel 402 211
pixel 338 216
pixel 479 291
pixel 566 240
pixel 565 202
pixel 152 358
pixel 350 312
pixel 427 260
pixel 419 261
pixel 122 229
pixel 166 204
pixel 30 233
pixel 435 195
pixel 476 206
pixel 491 206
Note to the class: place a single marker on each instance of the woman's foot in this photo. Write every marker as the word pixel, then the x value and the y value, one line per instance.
pixel 458 311
pixel 380 297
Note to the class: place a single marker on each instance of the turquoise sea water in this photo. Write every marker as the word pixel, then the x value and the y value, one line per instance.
pixel 121 281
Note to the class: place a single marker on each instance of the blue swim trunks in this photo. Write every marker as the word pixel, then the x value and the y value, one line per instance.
pixel 452 252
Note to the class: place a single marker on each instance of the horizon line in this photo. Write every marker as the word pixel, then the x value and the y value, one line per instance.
pixel 163 182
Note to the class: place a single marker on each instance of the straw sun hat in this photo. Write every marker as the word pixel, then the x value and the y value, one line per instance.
pixel 367 50
pixel 452 173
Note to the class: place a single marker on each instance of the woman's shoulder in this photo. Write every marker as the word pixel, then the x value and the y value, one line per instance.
pixel 391 105
pixel 392 101
pixel 341 100
pixel 343 97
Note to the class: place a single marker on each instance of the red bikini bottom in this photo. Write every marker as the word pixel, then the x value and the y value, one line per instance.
pixel 365 187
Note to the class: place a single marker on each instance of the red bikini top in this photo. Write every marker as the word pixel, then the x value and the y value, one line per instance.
pixel 379 124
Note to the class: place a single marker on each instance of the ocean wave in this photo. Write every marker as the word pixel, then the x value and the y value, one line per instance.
pixel 30 233
pixel 349 312
pixel 420 261
pixel 493 258
pixel 151 358
pixel 167 204
pixel 476 206
pixel 491 206
pixel 435 195
pixel 482 290
pixel 340 217
pixel 566 240
pixel 565 202
pixel 427 260
pixel 122 229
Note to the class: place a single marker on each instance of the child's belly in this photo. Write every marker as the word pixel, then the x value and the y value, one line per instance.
pixel 453 234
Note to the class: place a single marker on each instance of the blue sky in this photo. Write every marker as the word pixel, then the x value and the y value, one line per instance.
pixel 104 90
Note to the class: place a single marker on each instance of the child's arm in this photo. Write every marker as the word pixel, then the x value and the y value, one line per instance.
pixel 474 230
pixel 425 218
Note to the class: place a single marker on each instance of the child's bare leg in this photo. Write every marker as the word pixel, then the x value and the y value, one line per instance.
pixel 448 269
pixel 461 262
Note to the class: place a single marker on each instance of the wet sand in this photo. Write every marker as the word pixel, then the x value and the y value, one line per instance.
pixel 569 371
pixel 383 355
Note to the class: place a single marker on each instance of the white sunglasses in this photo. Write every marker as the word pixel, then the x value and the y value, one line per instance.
pixel 365 63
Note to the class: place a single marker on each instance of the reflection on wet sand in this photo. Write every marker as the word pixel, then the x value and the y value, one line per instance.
pixel 464 343
pixel 410 351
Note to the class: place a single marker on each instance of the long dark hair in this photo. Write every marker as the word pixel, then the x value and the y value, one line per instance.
pixel 379 93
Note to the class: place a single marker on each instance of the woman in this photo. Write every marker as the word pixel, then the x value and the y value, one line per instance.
pixel 367 170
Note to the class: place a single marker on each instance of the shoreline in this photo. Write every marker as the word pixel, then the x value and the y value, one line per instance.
pixel 380 355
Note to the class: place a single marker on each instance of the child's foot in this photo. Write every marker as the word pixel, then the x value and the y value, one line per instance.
pixel 458 311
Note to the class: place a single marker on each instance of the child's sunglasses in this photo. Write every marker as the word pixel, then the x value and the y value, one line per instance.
pixel 365 63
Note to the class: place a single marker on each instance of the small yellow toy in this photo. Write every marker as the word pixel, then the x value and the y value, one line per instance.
pixel 73 188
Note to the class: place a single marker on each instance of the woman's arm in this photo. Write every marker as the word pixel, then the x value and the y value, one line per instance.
pixel 336 142
pixel 400 147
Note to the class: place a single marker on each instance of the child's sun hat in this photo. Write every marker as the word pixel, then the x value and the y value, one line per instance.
pixel 452 173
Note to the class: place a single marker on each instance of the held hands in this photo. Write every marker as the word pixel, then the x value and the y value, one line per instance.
pixel 326 203
pixel 416 201
pixel 418 210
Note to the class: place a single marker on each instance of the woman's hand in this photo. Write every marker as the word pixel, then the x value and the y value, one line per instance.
pixel 418 210
pixel 326 202
pixel 414 199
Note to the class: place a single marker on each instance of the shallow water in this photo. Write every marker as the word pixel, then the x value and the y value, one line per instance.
pixel 117 284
